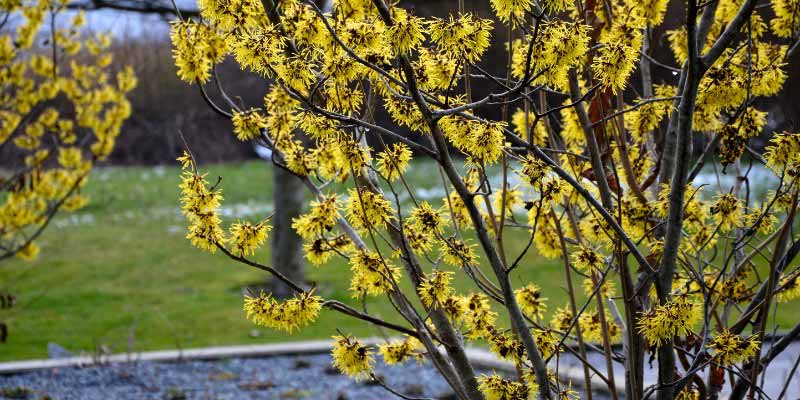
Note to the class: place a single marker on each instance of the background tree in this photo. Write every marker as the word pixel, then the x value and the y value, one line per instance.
pixel 61 108
pixel 605 174
pixel 286 250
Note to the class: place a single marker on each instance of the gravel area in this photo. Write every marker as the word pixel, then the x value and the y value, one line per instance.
pixel 287 377
pixel 284 377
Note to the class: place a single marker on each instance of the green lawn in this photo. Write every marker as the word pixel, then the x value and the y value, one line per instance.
pixel 119 274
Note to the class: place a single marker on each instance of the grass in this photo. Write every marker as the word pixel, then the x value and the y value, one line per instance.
pixel 120 276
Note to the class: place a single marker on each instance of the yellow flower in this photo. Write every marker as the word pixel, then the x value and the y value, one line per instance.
pixel 614 63
pixel 435 288
pixel 727 212
pixel 454 307
pixel 296 72
pixel 351 357
pixel 478 316
pixel 246 238
pixel 592 327
pixel 729 349
pixel 511 11
pixel 546 340
pixel 786 23
pixel 248 125
pixel 320 250
pixel 289 315
pixel 587 260
pixel 457 252
pixel 483 141
pixel 368 210
pixel 393 162
pixel 505 347
pixel 196 48
pixel 425 218
pixel 664 322
pixel 531 301
pixel 465 36
pixel 320 220
pixel 790 289
pixel 29 252
pixel 75 202
pixel 495 387
pixel 406 33
pixel 372 275
pixel 562 319
pixel 200 206
pixel 784 150
pixel 533 170
pixel 397 352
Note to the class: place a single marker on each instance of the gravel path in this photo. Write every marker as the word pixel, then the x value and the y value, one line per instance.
pixel 284 377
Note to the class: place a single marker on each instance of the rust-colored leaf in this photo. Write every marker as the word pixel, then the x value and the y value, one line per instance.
pixel 717 377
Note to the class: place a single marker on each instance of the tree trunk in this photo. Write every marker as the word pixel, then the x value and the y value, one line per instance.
pixel 287 246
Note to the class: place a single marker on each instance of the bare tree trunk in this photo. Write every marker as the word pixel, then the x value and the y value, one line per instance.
pixel 287 246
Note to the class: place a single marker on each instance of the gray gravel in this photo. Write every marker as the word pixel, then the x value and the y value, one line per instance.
pixel 286 377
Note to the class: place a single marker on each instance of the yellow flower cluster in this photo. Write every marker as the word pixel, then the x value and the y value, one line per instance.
pixel 319 220
pixel 504 346
pixel 547 340
pixel 783 151
pixel 786 23
pixel 531 301
pixel 478 316
pixel 614 63
pixel 464 36
pixel 61 110
pixel 588 260
pixel 727 212
pixel 592 327
pixel 435 288
pixel 248 125
pixel 558 48
pixel 200 205
pixel 368 210
pixel 483 141
pixel 406 33
pixel 352 357
pixel 320 250
pixel 399 351
pixel 494 387
pixel 197 48
pixel 511 11
pixel 246 238
pixel 730 349
pixel 457 252
pixel 287 316
pixel 664 322
pixel 393 162
pixel 562 319
pixel 372 274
